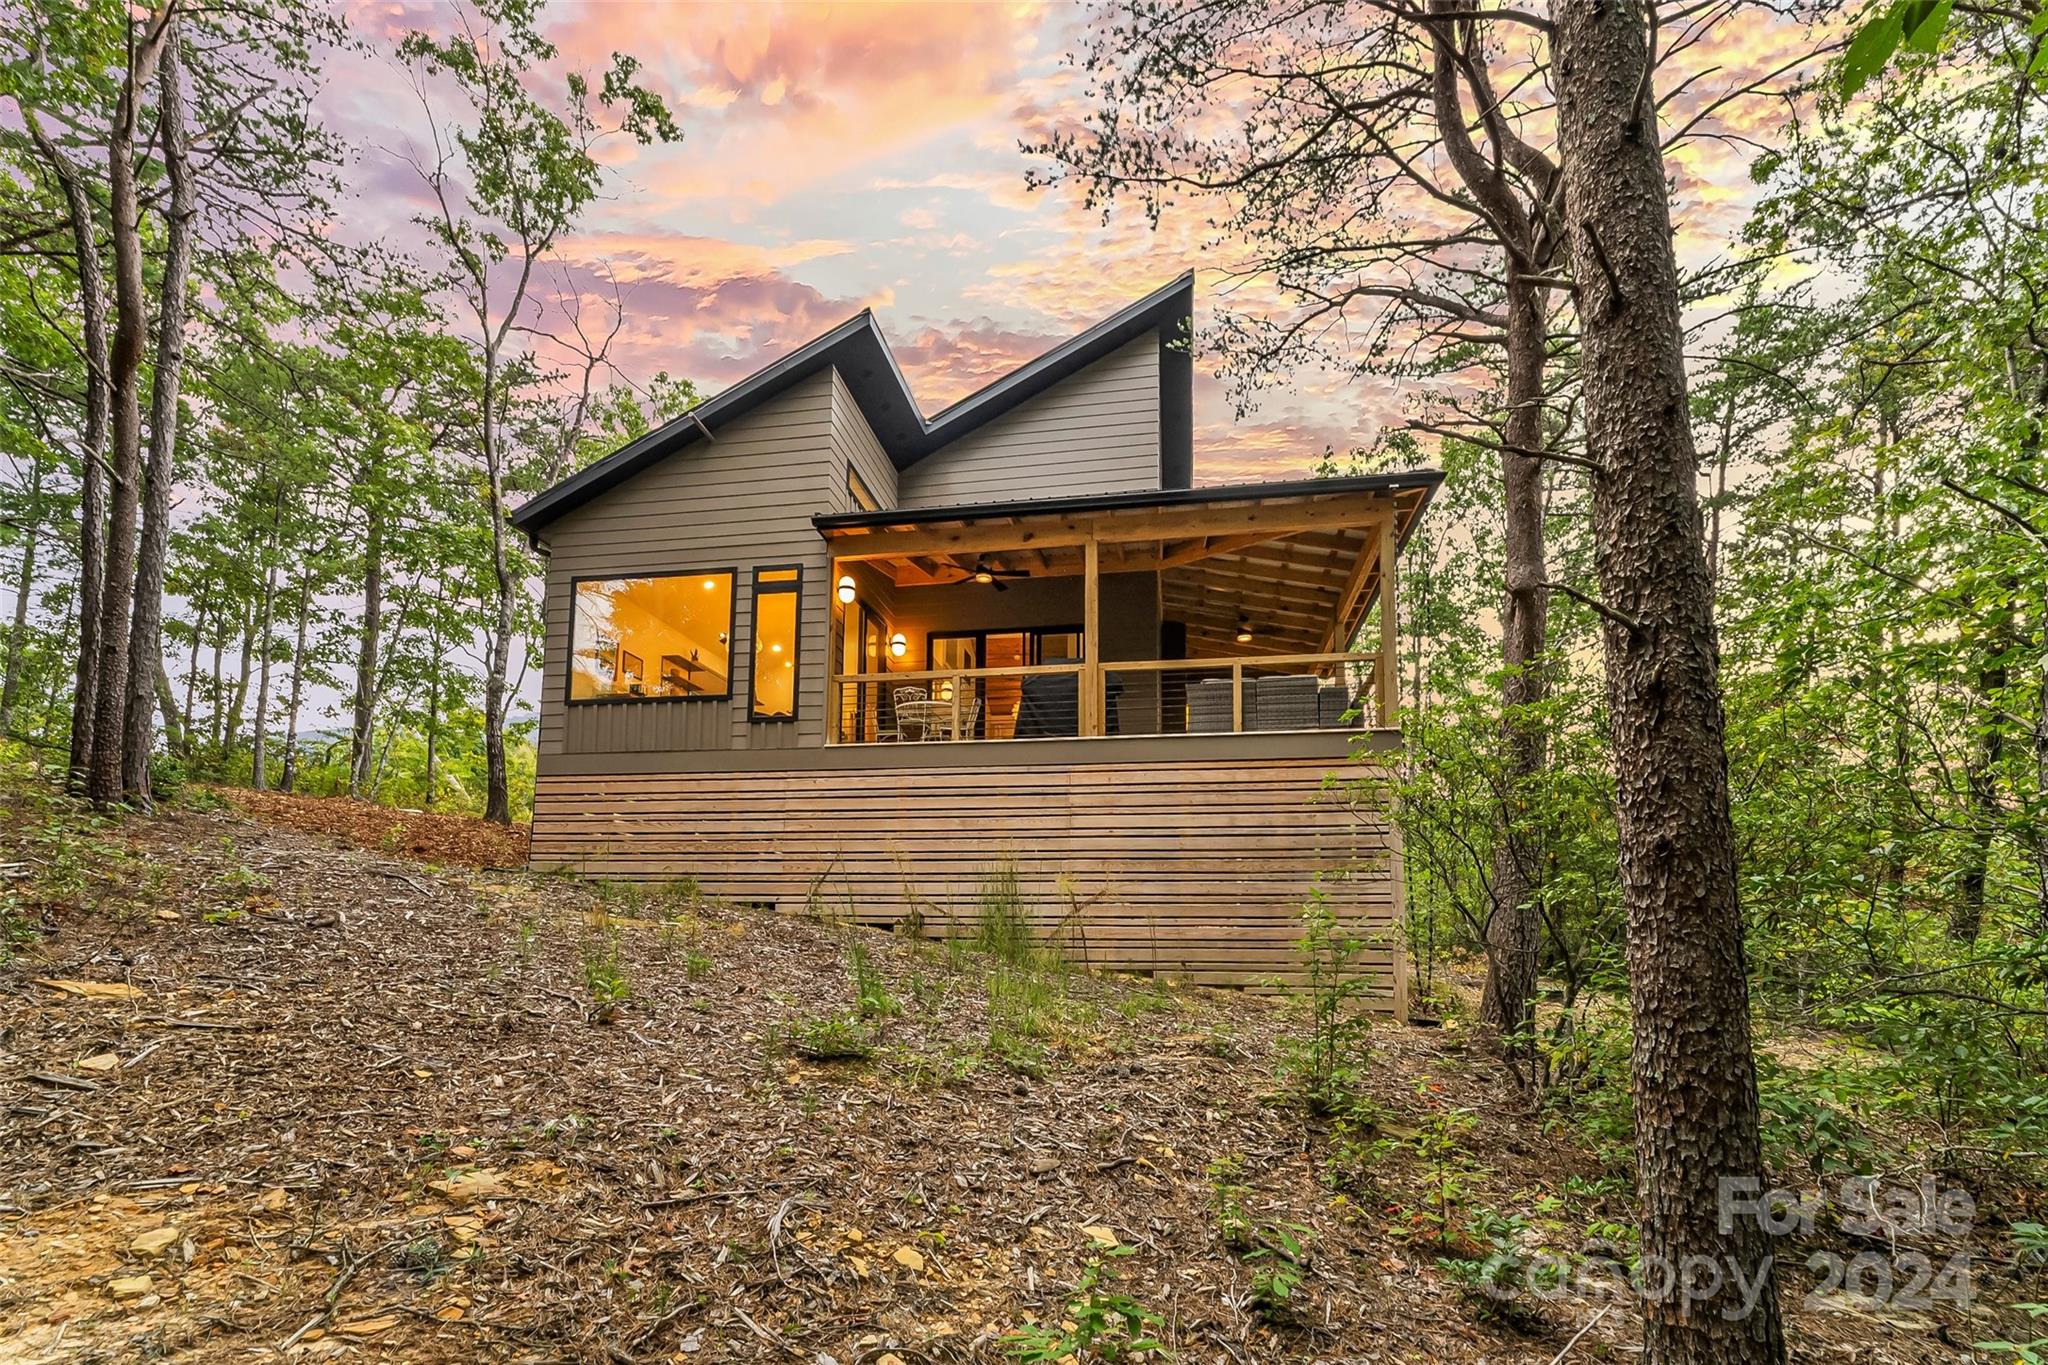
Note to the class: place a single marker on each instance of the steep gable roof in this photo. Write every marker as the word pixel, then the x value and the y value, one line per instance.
pixel 857 350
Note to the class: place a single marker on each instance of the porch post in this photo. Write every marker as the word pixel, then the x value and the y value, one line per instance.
pixel 835 636
pixel 1389 682
pixel 1092 708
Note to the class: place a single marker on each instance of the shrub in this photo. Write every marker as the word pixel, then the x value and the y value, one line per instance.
pixel 1097 1322
pixel 1321 1069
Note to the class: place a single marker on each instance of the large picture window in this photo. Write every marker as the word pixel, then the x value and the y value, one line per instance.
pixel 652 639
pixel 778 598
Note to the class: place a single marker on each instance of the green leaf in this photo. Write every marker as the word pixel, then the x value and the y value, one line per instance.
pixel 1923 30
pixel 1872 47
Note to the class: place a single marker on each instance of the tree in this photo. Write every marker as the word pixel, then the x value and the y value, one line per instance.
pixel 1366 161
pixel 201 112
pixel 1693 1070
pixel 526 174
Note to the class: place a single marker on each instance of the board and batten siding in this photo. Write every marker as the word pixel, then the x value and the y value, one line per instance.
pixel 741 500
pixel 1196 865
pixel 1094 432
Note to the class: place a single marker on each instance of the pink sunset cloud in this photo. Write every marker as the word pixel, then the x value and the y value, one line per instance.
pixel 840 157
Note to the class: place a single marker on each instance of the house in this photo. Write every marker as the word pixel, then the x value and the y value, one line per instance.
pixel 807 645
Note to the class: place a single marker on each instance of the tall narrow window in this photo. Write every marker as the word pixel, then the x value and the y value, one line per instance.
pixel 652 639
pixel 778 599
pixel 857 489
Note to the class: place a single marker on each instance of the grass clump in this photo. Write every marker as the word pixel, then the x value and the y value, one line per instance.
pixel 1002 930
pixel 604 975
pixel 871 998
pixel 831 1038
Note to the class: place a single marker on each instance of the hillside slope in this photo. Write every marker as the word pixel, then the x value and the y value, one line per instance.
pixel 270 1094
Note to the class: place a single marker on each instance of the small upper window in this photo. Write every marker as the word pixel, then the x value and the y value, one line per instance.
pixel 856 489
pixel 652 638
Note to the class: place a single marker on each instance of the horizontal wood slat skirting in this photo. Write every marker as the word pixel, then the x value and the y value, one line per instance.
pixel 1195 868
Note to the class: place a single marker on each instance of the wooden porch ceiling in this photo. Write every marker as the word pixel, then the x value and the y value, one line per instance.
pixel 1301 571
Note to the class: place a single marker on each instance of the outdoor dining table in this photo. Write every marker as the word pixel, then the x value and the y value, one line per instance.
pixel 933 718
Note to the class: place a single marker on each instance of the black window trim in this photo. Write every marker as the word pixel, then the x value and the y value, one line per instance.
pixel 569 696
pixel 795 588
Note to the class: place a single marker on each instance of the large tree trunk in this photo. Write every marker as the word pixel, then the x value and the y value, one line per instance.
pixel 1514 922
pixel 92 455
pixel 145 638
pixel 24 589
pixel 1514 930
pixel 1694 1074
pixel 368 651
pixel 106 766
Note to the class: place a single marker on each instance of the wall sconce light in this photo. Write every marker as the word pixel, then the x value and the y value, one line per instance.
pixel 846 588
pixel 898 646
pixel 1244 631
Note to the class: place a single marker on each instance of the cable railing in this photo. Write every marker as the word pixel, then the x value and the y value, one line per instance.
pixel 1333 691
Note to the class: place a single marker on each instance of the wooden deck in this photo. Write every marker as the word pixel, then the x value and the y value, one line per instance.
pixel 1189 855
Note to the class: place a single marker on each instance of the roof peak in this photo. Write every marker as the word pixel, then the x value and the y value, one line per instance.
pixel 861 353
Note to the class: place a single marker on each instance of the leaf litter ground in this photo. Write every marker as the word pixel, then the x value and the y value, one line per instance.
pixel 271 1093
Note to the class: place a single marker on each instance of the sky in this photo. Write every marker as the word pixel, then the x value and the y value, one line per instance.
pixel 846 156
pixel 837 157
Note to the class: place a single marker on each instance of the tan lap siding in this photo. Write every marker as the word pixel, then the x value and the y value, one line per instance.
pixel 1199 868
pixel 741 500
pixel 1095 432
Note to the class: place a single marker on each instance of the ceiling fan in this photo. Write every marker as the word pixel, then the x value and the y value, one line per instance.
pixel 992 575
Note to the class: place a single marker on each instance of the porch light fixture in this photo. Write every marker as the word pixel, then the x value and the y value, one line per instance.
pixel 898 646
pixel 982 575
pixel 1244 631
pixel 846 588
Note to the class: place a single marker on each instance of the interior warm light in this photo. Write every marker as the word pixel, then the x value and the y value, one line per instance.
pixel 710 585
pixel 984 576
pixel 898 646
pixel 1244 631
pixel 846 588
pixel 777 647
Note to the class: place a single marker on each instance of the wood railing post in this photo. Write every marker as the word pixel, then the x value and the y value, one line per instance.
pixel 959 685
pixel 1093 704
pixel 1237 699
pixel 1386 675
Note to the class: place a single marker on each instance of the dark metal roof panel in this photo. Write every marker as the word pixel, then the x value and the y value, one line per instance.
pixel 1402 481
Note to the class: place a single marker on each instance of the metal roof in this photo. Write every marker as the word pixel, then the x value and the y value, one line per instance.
pixel 1425 480
pixel 858 351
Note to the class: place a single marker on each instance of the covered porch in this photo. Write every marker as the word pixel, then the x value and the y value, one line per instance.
pixel 1172 613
